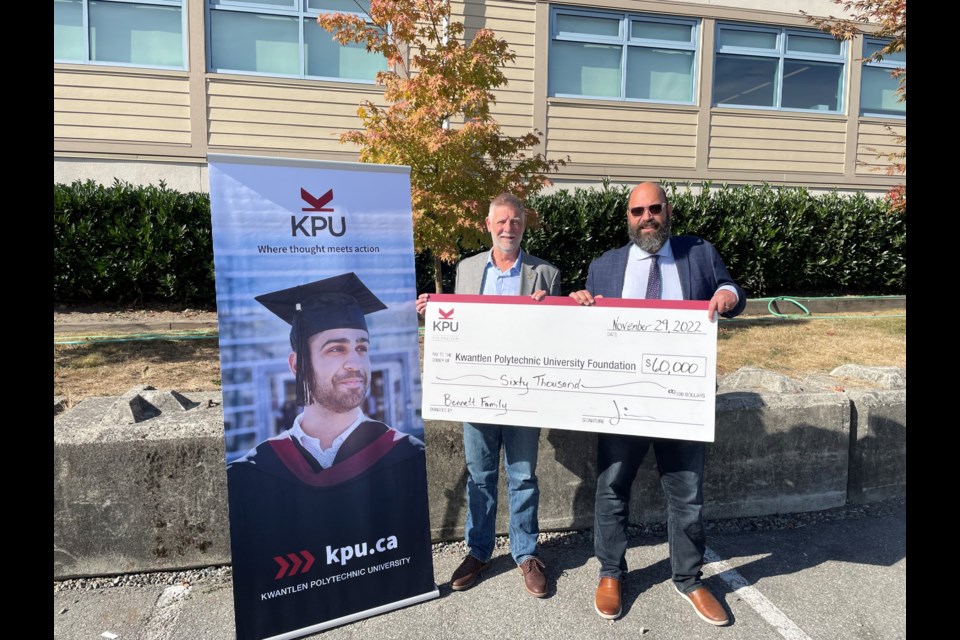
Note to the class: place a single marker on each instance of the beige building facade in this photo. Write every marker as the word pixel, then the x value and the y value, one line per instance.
pixel 737 91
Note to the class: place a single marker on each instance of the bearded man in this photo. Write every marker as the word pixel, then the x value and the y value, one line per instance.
pixel 656 265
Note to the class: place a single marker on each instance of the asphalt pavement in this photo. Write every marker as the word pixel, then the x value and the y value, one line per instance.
pixel 831 579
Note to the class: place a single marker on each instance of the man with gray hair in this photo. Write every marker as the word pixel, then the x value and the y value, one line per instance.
pixel 505 270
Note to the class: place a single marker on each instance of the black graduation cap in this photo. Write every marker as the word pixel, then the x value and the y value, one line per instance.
pixel 340 302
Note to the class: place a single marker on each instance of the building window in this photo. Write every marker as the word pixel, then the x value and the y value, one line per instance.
pixel 622 56
pixel 878 89
pixel 144 33
pixel 282 38
pixel 763 67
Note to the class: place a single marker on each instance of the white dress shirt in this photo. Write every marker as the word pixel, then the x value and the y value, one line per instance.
pixel 638 271
pixel 324 456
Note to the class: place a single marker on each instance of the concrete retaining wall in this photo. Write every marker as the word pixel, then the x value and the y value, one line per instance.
pixel 149 493
pixel 878 445
pixel 135 497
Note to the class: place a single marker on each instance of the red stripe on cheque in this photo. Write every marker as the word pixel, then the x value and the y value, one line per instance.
pixel 353 466
pixel 564 301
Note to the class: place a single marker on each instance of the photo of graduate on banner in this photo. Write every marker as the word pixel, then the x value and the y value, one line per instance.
pixel 326 467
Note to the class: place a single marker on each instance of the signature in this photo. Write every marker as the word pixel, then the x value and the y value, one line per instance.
pixel 615 420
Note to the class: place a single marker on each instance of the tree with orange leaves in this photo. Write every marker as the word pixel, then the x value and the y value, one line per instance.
pixel 439 93
pixel 890 18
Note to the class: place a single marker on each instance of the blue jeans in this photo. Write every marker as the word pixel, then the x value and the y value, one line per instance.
pixel 481 447
pixel 680 464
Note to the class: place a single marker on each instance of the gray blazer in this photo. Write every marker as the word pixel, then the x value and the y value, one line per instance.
pixel 535 274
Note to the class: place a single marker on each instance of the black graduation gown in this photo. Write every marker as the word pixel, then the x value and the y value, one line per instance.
pixel 311 545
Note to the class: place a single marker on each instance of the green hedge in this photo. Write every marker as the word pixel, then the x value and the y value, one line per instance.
pixel 126 243
pixel 123 244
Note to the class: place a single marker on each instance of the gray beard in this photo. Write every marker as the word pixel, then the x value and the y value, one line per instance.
pixel 651 242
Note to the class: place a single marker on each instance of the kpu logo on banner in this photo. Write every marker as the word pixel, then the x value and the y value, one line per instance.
pixel 313 225
pixel 297 564
pixel 447 324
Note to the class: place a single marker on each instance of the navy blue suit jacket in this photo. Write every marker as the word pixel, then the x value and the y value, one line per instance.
pixel 701 272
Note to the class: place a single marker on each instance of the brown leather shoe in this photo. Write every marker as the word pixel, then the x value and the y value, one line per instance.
pixel 706 605
pixel 607 602
pixel 467 573
pixel 533 578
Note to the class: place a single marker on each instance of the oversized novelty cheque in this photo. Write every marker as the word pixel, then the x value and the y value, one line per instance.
pixel 633 367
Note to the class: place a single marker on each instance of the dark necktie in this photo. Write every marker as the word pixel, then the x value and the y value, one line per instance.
pixel 653 280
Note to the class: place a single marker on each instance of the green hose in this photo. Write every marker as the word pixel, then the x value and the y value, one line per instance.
pixel 806 312
pixel 139 337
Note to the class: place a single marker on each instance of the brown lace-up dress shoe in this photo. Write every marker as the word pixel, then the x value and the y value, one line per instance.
pixel 467 573
pixel 607 602
pixel 706 605
pixel 533 579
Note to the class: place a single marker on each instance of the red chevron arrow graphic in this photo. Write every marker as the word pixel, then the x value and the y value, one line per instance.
pixel 304 560
pixel 295 559
pixel 445 314
pixel 283 567
pixel 309 563
pixel 316 202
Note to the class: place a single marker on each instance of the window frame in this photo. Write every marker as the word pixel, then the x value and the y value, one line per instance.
pixel 85 25
pixel 889 65
pixel 781 53
pixel 625 40
pixel 297 9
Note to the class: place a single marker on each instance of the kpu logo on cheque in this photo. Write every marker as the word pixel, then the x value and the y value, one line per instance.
pixel 446 323
pixel 313 225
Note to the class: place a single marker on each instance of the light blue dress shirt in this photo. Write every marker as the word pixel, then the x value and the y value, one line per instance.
pixel 501 283
pixel 638 272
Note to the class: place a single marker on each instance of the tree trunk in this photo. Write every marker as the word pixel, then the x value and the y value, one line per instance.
pixel 437 275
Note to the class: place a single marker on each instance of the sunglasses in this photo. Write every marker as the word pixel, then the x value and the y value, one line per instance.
pixel 654 209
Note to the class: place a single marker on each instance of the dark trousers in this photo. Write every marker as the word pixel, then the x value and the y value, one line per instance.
pixel 680 464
